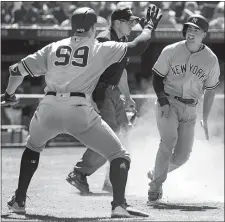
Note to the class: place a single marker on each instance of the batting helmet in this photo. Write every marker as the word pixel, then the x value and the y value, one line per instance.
pixel 198 21
pixel 83 19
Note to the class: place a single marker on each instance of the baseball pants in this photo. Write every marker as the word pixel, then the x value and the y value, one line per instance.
pixel 177 137
pixel 74 116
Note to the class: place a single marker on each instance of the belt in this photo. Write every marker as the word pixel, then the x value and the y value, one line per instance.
pixel 185 101
pixel 79 94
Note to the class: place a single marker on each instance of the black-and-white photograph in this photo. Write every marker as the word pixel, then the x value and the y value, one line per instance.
pixel 112 111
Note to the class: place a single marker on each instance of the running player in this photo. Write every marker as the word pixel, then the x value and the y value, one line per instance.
pixel 182 74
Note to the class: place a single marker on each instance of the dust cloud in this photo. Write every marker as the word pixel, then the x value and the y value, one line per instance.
pixel 201 178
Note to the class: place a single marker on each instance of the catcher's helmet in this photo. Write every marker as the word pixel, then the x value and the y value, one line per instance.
pixel 83 19
pixel 198 21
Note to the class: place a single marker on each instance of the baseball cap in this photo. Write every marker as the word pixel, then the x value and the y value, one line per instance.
pixel 123 14
pixel 198 21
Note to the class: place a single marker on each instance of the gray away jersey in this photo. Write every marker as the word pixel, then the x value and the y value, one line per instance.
pixel 73 64
pixel 187 75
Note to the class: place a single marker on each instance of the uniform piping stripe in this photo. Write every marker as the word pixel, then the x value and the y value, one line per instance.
pixel 158 72
pixel 125 51
pixel 26 68
pixel 212 87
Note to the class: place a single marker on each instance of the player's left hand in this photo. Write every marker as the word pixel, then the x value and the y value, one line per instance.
pixel 130 104
pixel 8 100
pixel 204 124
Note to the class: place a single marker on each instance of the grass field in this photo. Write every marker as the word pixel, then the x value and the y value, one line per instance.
pixel 194 192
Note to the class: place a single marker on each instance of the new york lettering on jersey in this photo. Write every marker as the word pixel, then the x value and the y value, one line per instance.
pixel 73 64
pixel 191 68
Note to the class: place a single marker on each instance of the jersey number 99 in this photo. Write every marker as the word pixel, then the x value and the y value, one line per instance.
pixel 79 57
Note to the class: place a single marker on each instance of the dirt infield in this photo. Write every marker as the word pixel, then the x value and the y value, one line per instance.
pixel 51 198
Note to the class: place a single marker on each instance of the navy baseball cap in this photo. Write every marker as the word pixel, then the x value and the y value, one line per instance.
pixel 123 14
pixel 198 21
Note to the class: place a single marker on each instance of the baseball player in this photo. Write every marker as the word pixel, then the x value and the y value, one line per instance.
pixel 71 74
pixel 106 95
pixel 183 72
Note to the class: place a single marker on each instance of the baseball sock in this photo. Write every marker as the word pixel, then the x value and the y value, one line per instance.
pixel 118 176
pixel 28 165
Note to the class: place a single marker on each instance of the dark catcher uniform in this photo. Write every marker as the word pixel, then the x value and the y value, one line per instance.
pixel 112 108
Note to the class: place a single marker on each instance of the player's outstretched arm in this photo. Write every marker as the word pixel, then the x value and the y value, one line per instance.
pixel 13 83
pixel 15 79
pixel 140 43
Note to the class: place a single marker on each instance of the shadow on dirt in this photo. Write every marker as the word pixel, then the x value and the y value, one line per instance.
pixel 95 194
pixel 36 217
pixel 182 207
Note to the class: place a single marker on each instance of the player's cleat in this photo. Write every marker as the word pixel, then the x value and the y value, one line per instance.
pixel 154 196
pixel 17 205
pixel 126 211
pixel 136 212
pixel 78 180
pixel 131 210
pixel 107 187
pixel 120 212
pixel 8 100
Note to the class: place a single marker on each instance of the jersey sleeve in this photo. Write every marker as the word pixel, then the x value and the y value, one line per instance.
pixel 162 65
pixel 35 64
pixel 114 52
pixel 213 79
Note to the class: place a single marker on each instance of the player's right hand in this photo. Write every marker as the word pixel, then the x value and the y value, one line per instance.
pixel 165 111
pixel 8 100
pixel 164 106
pixel 153 17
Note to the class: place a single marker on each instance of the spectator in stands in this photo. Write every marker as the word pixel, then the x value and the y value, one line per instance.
pixel 106 10
pixel 27 15
pixel 7 16
pixel 49 20
pixel 101 22
pixel 57 9
pixel 190 8
pixel 207 9
pixel 125 5
pixel 137 9
pixel 42 7
pixel 66 23
pixel 178 8
pixel 218 17
pixel 168 19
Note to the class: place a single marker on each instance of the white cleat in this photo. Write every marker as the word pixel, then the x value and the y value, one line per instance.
pixel 120 212
pixel 16 207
